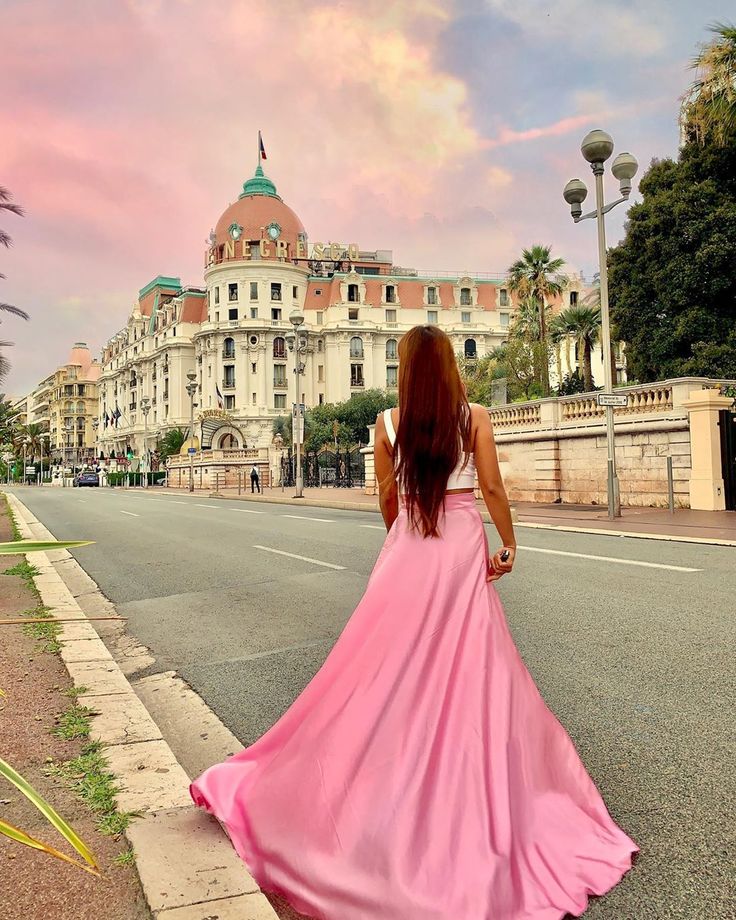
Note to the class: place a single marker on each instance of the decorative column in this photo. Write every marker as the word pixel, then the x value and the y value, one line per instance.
pixel 706 474
pixel 371 486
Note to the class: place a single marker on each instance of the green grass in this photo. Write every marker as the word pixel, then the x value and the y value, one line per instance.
pixel 74 723
pixel 126 858
pixel 11 518
pixel 75 692
pixel 89 776
pixel 48 632
pixel 26 571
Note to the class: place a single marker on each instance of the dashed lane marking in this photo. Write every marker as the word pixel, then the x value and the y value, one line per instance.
pixel 246 511
pixel 303 517
pixel 614 559
pixel 280 552
pixel 131 513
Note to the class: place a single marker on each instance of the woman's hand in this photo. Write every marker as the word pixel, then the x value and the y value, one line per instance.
pixel 501 563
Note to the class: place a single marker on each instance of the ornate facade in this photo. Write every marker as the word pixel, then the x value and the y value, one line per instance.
pixel 233 333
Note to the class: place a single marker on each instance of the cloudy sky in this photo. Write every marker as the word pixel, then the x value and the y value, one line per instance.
pixel 442 130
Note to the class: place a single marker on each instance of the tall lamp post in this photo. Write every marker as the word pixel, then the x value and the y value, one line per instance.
pixel 597 147
pixel 69 428
pixel 145 409
pixel 297 344
pixel 191 390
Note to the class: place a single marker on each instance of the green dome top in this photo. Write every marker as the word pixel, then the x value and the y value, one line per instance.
pixel 259 185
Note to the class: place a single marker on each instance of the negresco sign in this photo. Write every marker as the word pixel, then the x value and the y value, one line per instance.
pixel 248 250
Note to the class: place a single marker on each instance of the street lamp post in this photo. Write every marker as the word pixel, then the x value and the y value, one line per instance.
pixel 297 344
pixel 145 409
pixel 597 147
pixel 191 390
pixel 69 428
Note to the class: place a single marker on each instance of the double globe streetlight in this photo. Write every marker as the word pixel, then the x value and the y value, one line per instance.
pixel 191 392
pixel 145 409
pixel 597 147
pixel 298 344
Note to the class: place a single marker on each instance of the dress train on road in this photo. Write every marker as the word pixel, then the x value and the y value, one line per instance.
pixel 420 775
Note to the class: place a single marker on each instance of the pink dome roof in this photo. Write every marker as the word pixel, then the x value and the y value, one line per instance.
pixel 256 208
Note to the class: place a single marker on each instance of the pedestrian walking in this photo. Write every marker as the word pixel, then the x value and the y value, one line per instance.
pixel 420 775
pixel 255 479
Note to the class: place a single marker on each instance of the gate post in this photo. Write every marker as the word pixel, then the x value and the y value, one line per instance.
pixel 707 491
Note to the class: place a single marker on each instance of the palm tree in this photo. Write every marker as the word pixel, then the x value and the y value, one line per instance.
pixel 33 435
pixel 171 443
pixel 583 325
pixel 558 335
pixel 6 204
pixel 709 107
pixel 537 276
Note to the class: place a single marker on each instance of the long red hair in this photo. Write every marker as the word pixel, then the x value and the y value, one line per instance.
pixel 434 423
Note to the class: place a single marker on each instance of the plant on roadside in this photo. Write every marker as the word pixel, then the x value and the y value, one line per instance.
pixel 74 723
pixel 47 632
pixel 89 776
pixel 54 818
pixel 126 858
pixel 35 546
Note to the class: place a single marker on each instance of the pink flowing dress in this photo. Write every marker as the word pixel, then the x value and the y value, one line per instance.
pixel 420 775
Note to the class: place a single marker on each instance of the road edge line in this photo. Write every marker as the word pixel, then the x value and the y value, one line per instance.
pixel 179 874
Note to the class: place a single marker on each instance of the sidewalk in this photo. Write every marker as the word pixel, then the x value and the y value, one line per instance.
pixel 647 523
pixel 187 868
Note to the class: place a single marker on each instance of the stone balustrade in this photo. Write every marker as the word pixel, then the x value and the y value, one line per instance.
pixel 554 450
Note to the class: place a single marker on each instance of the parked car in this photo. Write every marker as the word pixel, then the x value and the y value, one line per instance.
pixel 87 478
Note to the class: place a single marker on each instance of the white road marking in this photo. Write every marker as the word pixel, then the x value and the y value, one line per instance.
pixel 131 513
pixel 280 552
pixel 179 503
pixel 302 517
pixel 373 527
pixel 648 565
pixel 196 505
pixel 82 500
pixel 247 511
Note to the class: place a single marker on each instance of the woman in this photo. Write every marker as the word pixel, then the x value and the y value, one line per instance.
pixel 420 776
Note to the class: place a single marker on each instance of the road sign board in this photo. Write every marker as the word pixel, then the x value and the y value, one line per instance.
pixel 30 469
pixel 617 400
pixel 191 450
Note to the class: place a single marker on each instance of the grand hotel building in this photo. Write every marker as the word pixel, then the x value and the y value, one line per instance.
pixel 232 332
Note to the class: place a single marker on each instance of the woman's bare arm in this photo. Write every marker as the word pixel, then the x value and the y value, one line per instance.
pixel 388 495
pixel 492 487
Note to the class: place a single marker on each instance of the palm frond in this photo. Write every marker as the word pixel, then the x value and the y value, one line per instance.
pixel 16 311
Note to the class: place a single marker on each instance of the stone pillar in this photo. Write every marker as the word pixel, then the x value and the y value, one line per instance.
pixel 371 487
pixel 706 474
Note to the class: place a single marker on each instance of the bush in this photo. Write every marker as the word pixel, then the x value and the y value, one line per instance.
pixel 135 479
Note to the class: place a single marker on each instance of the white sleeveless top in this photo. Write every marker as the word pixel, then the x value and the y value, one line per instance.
pixel 459 478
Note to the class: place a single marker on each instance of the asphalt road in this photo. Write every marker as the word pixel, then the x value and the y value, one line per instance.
pixel 637 661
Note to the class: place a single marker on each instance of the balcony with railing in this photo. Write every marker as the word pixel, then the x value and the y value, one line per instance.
pixel 228 383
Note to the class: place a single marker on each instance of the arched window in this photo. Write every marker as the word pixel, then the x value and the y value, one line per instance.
pixel 279 347
pixel 470 349
pixel 391 349
pixel 80 407
pixel 356 347
pixel 68 407
pixel 465 298
pixel 228 442
pixel 228 349
pixel 353 293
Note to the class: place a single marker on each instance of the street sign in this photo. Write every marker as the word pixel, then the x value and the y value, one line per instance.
pixel 191 450
pixel 30 469
pixel 617 400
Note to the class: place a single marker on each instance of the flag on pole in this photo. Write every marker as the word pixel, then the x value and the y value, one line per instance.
pixel 261 149
pixel 219 396
pixel 116 414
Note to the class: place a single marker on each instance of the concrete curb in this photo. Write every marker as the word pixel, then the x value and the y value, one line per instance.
pixel 323 503
pixel 187 866
pixel 667 537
